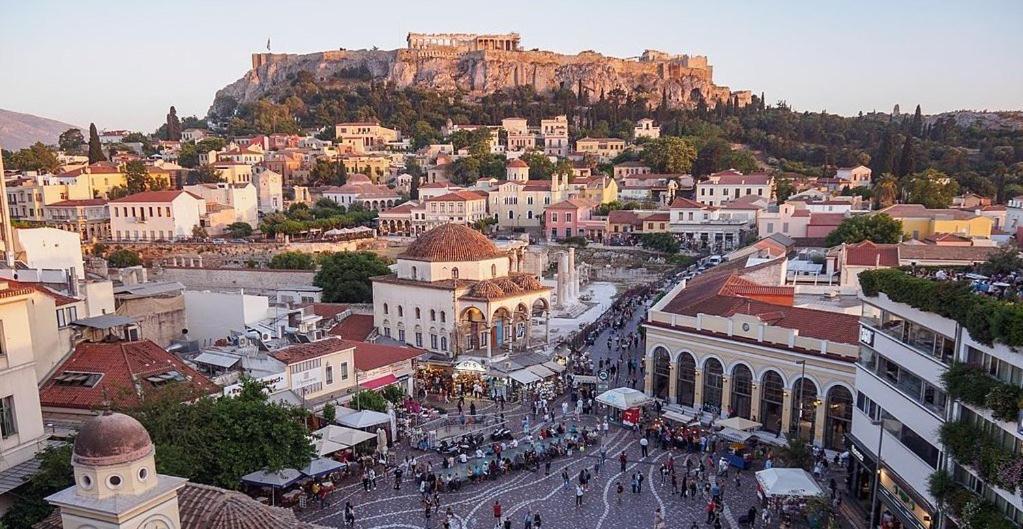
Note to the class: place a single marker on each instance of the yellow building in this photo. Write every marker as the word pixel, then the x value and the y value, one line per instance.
pixel 378 165
pixel 363 136
pixel 28 197
pixel 596 189
pixel 603 148
pixel 919 222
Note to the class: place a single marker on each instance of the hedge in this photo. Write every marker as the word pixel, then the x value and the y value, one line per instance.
pixel 987 319
pixel 972 385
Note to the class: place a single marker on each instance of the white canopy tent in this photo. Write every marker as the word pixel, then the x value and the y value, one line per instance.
pixel 554 366
pixel 364 419
pixel 541 371
pixel 524 376
pixel 791 482
pixel 623 398
pixel 738 423
pixel 321 466
pixel 332 438
pixel 279 479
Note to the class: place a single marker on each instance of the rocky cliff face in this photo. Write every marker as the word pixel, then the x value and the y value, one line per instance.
pixel 478 73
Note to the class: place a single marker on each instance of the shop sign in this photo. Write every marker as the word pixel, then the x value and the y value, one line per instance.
pixel 470 365
pixel 274 383
pixel 855 451
pixel 630 416
pixel 603 376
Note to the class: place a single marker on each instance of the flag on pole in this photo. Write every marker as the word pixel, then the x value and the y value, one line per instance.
pixel 268 44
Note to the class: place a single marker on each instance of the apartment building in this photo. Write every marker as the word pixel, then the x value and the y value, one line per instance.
pixel 89 217
pixel 731 184
pixel 156 215
pixel 913 366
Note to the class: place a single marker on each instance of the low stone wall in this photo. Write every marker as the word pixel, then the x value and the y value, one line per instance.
pixel 253 281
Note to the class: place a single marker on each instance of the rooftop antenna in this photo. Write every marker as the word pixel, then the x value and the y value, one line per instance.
pixel 268 44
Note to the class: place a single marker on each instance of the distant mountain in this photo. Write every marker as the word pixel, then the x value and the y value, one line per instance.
pixel 18 130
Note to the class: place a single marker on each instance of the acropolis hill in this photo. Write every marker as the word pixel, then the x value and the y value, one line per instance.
pixel 482 64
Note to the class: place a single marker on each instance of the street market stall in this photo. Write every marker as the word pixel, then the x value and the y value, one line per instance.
pixel 275 481
pixel 787 490
pixel 626 401
pixel 333 438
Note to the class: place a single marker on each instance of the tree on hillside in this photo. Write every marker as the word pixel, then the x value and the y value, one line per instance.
pixel 71 140
pixel 916 126
pixel 883 160
pixel 95 147
pixel 540 165
pixel 293 261
pixel 931 188
pixel 907 160
pixel 669 154
pixel 173 125
pixel 123 258
pixel 886 191
pixel 711 157
pixel 879 228
pixel 204 174
pixel 36 157
pixel 344 276
pixel 211 440
pixel 783 189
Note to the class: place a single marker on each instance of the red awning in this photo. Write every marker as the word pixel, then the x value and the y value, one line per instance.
pixel 379 382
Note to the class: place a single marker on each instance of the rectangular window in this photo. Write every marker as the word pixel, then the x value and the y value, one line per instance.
pixel 329 374
pixel 8 423
pixel 344 370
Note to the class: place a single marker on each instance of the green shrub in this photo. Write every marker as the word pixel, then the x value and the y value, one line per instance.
pixel 123 258
pixel 1003 401
pixel 968 383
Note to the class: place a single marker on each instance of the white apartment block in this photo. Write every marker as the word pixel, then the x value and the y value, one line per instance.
pixel 156 215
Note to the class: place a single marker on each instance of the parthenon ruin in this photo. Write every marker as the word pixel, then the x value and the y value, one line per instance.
pixel 464 41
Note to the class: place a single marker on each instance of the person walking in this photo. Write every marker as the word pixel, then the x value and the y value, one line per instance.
pixel 497 513
pixel 658 519
pixel 564 477
pixel 578 495
pixel 527 520
pixel 643 446
pixel 620 490
pixel 622 460
pixel 349 513
pixel 536 520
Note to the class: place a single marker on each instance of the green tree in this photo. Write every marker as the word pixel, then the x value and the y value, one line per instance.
pixel 878 228
pixel 239 230
pixel 916 126
pixel 329 412
pixel 36 157
pixel 783 188
pixel 712 157
pixel 1005 260
pixel 540 165
pixel 188 156
pixel 123 258
pixel 95 147
pixel 796 454
pixel 71 140
pixel 661 242
pixel 212 143
pixel 204 174
pixel 173 125
pixel 932 188
pixel 137 178
pixel 907 160
pixel 741 160
pixel 345 276
pixel 369 400
pixel 886 191
pixel 669 154
pixel 55 474
pixel 212 440
pixel 293 261
pixel 199 233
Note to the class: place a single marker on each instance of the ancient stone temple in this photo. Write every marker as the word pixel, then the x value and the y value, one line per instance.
pixel 464 41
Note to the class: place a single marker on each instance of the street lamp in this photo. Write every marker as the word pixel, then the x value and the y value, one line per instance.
pixel 877 471
pixel 802 378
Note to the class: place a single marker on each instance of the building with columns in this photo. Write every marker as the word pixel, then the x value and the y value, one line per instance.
pixel 455 294
pixel 729 343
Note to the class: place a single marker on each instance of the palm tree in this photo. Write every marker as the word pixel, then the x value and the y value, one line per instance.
pixel 796 454
pixel 886 191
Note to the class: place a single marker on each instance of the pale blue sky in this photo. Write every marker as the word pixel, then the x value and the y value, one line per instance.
pixel 121 64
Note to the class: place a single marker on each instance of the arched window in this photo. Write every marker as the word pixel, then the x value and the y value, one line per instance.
pixel 415 273
pixel 662 372
pixel 417 313
pixel 772 397
pixel 401 313
pixel 454 272
pixel 686 385
pixel 493 270
pixel 433 315
pixel 443 316
pixel 385 308
pixel 713 385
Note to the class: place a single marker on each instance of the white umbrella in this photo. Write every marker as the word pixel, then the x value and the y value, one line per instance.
pixel 364 419
pixel 738 423
pixel 788 482
pixel 381 441
pixel 332 438
pixel 623 398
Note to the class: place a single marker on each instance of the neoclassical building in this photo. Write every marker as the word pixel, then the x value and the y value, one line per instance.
pixel 455 293
pixel 730 342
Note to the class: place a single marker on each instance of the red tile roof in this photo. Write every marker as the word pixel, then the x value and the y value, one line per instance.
pixel 868 253
pixel 685 203
pixel 79 203
pixel 369 356
pixel 571 204
pixel 723 292
pixel 457 196
pixel 125 367
pixel 305 351
pixel 58 299
pixel 736 178
pixel 356 327
pixel 826 219
pixel 517 163
pixel 326 310
pixel 453 243
pixel 156 196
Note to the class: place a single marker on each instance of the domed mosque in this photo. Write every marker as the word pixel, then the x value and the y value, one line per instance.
pixel 117 487
pixel 456 294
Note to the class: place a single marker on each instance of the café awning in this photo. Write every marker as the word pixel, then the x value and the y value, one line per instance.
pixel 364 419
pixel 333 438
pixel 623 398
pixel 524 376
pixel 541 371
pixel 321 466
pixel 738 423
pixel 379 382
pixel 554 366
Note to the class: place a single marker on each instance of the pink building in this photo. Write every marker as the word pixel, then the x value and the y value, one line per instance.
pixel 573 217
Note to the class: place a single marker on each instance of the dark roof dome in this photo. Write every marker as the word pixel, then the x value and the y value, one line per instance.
pixel 486 290
pixel 451 243
pixel 111 439
pixel 527 282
